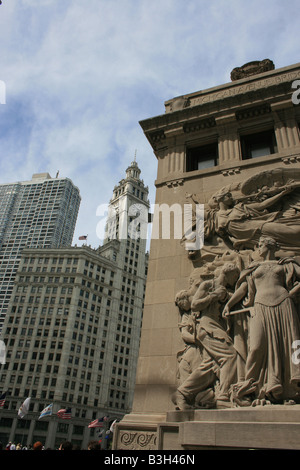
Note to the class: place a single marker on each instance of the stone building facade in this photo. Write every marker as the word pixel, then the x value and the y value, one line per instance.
pixel 241 137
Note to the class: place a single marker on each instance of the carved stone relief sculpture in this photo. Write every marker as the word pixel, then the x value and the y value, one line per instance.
pixel 252 68
pixel 241 309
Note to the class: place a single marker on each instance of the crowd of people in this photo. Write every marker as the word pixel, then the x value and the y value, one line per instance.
pixel 65 445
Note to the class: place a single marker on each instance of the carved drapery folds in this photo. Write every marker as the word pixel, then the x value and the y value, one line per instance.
pixel 239 315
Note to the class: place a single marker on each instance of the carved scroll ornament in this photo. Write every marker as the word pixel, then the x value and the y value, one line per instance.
pixel 137 440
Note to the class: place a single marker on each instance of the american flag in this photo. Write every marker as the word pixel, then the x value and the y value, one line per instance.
pixel 2 399
pixel 82 237
pixel 64 413
pixel 97 423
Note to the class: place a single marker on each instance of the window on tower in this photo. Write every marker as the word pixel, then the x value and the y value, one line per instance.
pixel 202 157
pixel 258 144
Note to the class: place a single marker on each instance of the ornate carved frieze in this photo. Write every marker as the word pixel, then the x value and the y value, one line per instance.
pixel 252 68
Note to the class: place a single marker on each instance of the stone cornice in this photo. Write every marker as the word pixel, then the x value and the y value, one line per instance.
pixel 239 87
pixel 78 251
pixel 242 96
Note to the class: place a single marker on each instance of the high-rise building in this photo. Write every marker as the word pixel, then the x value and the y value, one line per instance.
pixel 40 213
pixel 72 330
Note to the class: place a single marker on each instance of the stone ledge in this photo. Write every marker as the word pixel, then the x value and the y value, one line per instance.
pixel 268 427
pixel 268 413
pixel 243 435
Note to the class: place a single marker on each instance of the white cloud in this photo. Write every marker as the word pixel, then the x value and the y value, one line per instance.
pixel 81 75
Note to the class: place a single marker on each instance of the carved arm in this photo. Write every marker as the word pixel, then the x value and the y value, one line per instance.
pixel 238 295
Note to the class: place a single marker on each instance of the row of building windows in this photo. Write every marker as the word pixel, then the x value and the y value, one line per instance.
pixel 25 423
pixel 67 261
pixel 23 289
pixel 50 395
pixel 62 428
pixel 46 260
pixel 43 279
pixel 80 396
pixel 252 146
pixel 135 191
pixel 28 331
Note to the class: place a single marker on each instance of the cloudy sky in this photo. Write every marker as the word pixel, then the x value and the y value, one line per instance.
pixel 80 75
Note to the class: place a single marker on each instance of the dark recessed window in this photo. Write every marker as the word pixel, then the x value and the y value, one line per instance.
pixel 199 158
pixel 258 145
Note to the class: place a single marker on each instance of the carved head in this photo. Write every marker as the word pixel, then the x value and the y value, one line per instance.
pixel 182 300
pixel 267 244
pixel 231 272
pixel 224 196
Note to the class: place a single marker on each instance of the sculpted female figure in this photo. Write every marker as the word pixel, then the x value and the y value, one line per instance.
pixel 273 327
pixel 244 223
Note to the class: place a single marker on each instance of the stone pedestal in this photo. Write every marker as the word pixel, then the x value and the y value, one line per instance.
pixel 268 427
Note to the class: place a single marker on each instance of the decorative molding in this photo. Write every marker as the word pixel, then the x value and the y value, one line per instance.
pixel 199 125
pixel 135 440
pixel 291 159
pixel 173 184
pixel 230 172
pixel 253 112
pixel 157 136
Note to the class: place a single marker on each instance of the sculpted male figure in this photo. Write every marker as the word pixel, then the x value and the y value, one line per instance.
pixel 190 356
pixel 219 355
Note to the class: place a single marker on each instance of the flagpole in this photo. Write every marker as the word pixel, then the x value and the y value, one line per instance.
pixel 104 440
pixel 23 437
pixel 106 424
pixel 23 411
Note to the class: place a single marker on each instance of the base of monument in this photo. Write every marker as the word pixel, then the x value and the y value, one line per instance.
pixel 262 427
